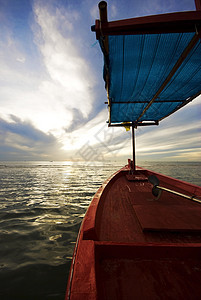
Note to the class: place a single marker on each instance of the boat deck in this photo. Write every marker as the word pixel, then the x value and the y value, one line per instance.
pixel 147 272
pixel 130 213
pixel 132 246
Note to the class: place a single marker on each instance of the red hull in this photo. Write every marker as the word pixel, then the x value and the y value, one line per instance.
pixel 131 246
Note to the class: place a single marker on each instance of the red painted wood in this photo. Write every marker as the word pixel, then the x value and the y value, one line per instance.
pixel 117 259
pixel 148 272
pixel 83 285
pixel 165 23
pixel 169 217
pixel 198 4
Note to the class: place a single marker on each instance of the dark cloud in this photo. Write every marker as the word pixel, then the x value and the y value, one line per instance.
pixel 20 140
pixel 77 121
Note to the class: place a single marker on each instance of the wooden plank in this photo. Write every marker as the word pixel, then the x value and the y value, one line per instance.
pixel 136 177
pixel 164 23
pixel 158 217
pixel 84 282
pixel 148 272
pixel 198 4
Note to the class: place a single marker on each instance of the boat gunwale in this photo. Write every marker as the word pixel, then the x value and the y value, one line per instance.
pixel 88 235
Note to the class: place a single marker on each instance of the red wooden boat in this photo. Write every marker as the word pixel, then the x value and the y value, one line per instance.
pixel 141 235
pixel 131 246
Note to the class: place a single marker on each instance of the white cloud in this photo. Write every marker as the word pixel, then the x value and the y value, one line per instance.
pixel 94 12
pixel 54 93
pixel 46 92
pixel 21 59
pixel 86 134
pixel 113 11
pixel 66 67
pixel 196 101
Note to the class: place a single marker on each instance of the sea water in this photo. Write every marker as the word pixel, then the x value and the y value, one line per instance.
pixel 41 208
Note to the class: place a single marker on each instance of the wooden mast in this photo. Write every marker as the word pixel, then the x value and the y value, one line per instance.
pixel 103 22
pixel 133 146
pixel 198 4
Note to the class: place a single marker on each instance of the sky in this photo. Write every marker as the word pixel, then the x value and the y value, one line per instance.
pixel 52 93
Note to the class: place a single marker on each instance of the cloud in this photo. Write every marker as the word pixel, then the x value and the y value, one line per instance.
pixel 21 59
pixel 175 137
pixel 47 85
pixel 94 12
pixel 20 140
pixel 77 120
pixel 67 69
pixel 52 93
pixel 95 141
pixel 51 99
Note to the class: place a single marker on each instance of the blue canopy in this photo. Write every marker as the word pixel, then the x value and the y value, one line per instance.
pixel 150 75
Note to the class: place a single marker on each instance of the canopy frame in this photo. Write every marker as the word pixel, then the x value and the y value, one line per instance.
pixel 180 22
pixel 189 21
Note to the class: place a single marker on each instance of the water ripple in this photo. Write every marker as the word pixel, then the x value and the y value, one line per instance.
pixel 41 208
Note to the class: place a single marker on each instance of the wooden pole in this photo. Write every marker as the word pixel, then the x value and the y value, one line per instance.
pixel 103 21
pixel 133 143
pixel 179 62
pixel 198 4
pixel 103 11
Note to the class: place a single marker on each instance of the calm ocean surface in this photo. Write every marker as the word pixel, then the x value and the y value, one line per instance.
pixel 41 208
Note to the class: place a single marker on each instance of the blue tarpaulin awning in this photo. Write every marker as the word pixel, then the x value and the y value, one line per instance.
pixel 150 73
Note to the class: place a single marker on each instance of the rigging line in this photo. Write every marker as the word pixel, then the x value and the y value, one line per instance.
pixel 182 104
pixel 182 57
pixel 176 48
pixel 196 70
pixel 167 67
